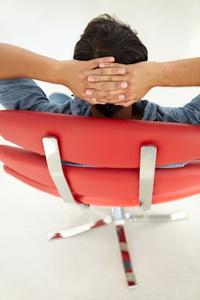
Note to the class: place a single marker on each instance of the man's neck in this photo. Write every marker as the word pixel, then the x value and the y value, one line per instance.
pixel 124 113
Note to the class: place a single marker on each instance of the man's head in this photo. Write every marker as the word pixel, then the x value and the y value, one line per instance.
pixel 106 36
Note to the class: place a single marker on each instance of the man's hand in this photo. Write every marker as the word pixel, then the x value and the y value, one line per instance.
pixel 74 74
pixel 140 78
pixel 143 76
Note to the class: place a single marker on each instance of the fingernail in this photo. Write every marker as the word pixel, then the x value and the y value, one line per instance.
pixel 88 92
pixel 111 59
pixel 121 71
pixel 124 84
pixel 90 78
pixel 101 65
pixel 121 97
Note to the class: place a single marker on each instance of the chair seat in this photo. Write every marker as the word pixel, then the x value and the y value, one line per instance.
pixel 101 186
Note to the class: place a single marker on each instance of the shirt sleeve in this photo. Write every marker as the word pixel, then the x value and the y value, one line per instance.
pixel 25 94
pixel 189 113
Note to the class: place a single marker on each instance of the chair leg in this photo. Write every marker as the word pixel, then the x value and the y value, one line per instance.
pixel 118 217
pixel 66 233
pixel 126 259
pixel 174 216
pixel 98 219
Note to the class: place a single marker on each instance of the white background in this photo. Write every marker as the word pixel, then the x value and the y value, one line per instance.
pixel 166 256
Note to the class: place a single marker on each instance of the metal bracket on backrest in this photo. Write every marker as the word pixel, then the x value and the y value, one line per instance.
pixel 146 177
pixel 53 159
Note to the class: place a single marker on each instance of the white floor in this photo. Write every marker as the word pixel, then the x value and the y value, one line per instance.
pixel 165 255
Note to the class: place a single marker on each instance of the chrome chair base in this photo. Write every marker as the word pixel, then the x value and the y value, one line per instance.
pixel 119 217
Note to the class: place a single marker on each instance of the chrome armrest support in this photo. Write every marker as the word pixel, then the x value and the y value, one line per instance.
pixel 146 177
pixel 53 159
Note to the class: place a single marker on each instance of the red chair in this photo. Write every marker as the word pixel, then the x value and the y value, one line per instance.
pixel 122 157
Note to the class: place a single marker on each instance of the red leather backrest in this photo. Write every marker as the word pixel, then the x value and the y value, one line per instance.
pixel 100 141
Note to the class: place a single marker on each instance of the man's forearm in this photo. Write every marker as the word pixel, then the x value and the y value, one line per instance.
pixel 17 62
pixel 185 72
pixel 144 76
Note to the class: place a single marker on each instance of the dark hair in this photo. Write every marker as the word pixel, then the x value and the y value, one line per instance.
pixel 107 36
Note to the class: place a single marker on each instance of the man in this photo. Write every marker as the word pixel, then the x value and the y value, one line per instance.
pixel 104 36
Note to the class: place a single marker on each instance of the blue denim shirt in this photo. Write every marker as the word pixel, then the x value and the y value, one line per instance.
pixel 25 94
